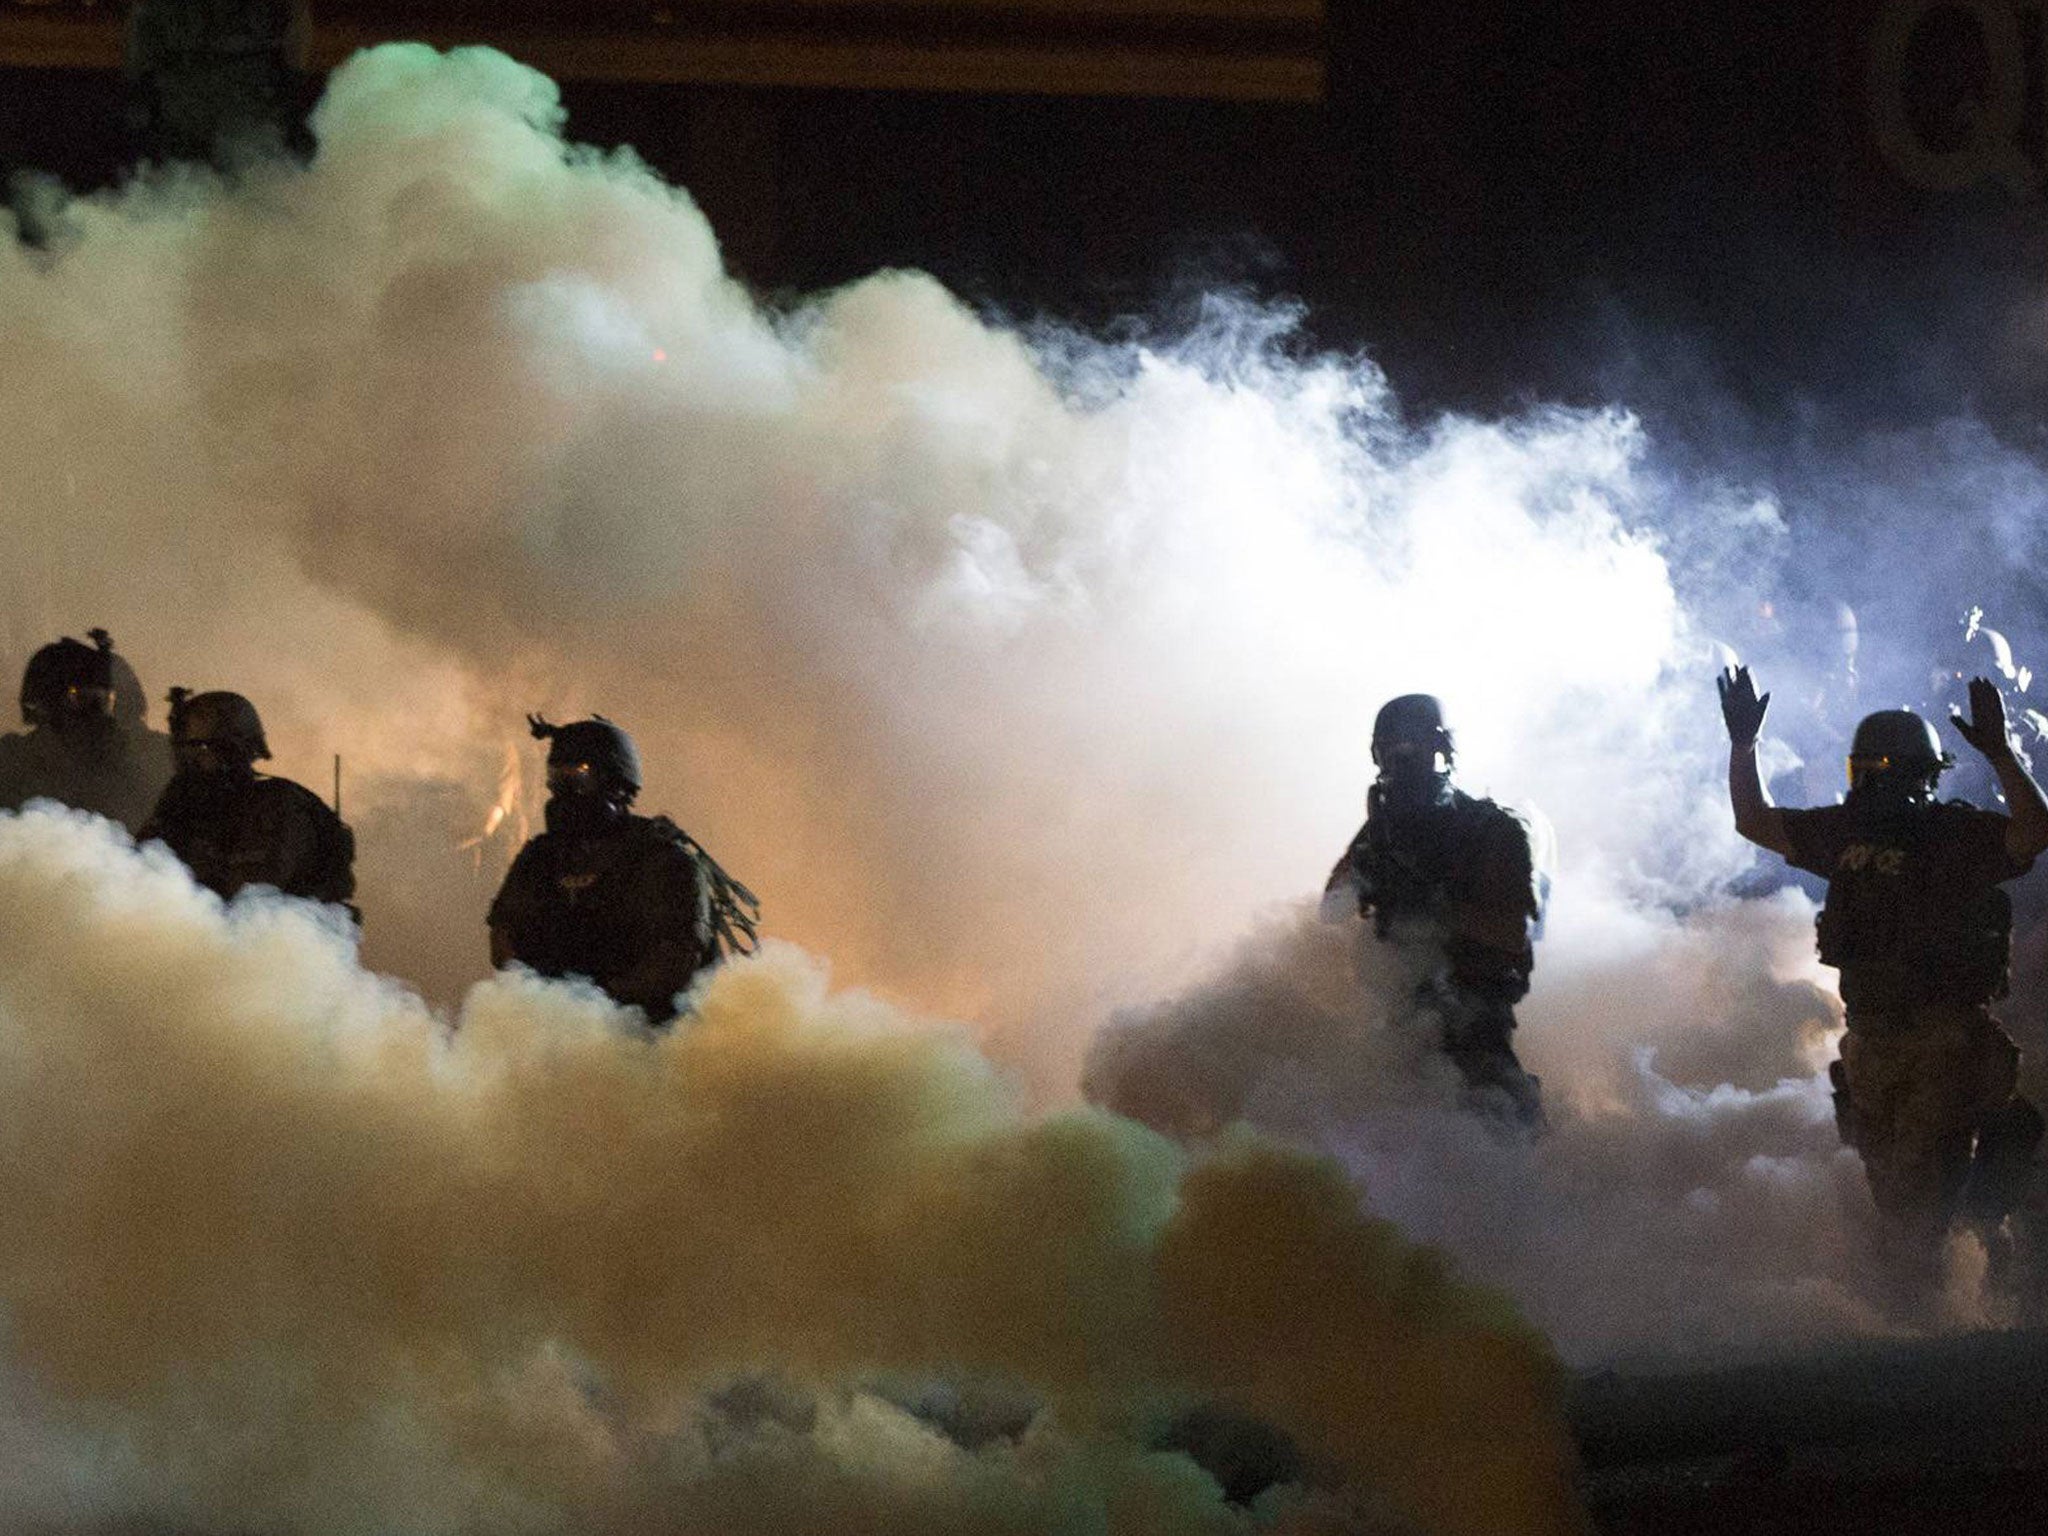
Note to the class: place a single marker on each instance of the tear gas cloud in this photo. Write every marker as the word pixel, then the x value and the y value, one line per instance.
pixel 283 1254
pixel 1028 678
pixel 1014 678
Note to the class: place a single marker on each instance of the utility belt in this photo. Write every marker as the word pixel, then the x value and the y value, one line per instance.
pixel 1895 959
pixel 1890 994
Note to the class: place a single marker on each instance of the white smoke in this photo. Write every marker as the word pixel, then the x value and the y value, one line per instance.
pixel 1691 1198
pixel 1029 681
pixel 1011 681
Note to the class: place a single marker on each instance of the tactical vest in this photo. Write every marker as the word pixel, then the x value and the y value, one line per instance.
pixel 267 831
pixel 1901 934
pixel 1421 864
pixel 604 904
pixel 110 772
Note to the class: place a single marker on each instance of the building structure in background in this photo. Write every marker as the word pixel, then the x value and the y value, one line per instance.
pixel 724 63
pixel 1251 50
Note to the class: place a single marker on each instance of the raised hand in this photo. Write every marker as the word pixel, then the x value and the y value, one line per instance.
pixel 1985 729
pixel 1740 706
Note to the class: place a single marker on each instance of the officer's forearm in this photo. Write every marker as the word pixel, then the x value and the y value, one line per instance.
pixel 2027 834
pixel 1755 817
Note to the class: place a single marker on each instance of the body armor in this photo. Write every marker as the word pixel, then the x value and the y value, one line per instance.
pixel 628 906
pixel 237 832
pixel 1413 868
pixel 1900 934
pixel 1418 865
pixel 99 768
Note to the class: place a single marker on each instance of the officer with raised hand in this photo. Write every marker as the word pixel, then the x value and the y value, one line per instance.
pixel 1921 932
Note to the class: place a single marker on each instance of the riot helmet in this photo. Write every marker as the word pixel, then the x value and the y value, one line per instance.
pixel 1412 748
pixel 215 732
pixel 68 682
pixel 593 771
pixel 1899 749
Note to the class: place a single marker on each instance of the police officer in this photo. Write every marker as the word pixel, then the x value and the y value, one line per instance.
pixel 629 901
pixel 1921 932
pixel 1437 865
pixel 235 827
pixel 78 749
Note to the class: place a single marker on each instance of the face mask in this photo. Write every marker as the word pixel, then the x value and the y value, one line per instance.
pixel 579 814
pixel 1888 792
pixel 82 705
pixel 207 761
pixel 1410 778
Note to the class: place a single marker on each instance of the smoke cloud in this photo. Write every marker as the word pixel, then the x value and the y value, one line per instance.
pixel 1012 678
pixel 1691 1199
pixel 1027 678
pixel 302 1258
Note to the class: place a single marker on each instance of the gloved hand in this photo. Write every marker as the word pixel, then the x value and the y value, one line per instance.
pixel 1985 729
pixel 1740 707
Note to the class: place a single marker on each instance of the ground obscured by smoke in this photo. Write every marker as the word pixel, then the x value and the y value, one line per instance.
pixel 286 1253
pixel 1691 1198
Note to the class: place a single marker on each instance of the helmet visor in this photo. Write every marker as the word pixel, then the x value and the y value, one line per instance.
pixel 1867 767
pixel 1404 759
pixel 85 701
pixel 575 776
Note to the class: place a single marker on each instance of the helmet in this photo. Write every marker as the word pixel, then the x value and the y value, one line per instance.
pixel 60 667
pixel 607 752
pixel 1413 722
pixel 1896 740
pixel 226 722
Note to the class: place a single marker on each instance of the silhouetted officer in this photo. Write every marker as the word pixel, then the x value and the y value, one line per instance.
pixel 629 901
pixel 234 827
pixel 1917 925
pixel 1436 865
pixel 78 749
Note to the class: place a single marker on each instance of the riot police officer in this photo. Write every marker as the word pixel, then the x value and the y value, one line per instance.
pixel 1917 925
pixel 1435 865
pixel 79 749
pixel 234 827
pixel 630 902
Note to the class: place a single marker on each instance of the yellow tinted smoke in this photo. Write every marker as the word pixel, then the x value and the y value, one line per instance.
pixel 324 1265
